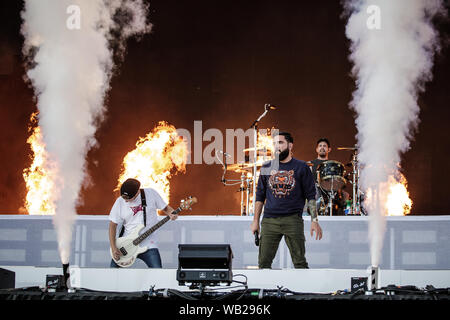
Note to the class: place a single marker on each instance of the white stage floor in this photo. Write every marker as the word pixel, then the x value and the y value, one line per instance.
pixel 299 280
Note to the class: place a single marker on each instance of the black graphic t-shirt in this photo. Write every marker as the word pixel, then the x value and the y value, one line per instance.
pixel 285 188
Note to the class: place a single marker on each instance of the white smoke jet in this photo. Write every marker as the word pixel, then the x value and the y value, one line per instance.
pixel 392 63
pixel 70 70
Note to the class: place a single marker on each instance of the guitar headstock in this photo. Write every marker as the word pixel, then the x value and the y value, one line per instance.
pixel 186 204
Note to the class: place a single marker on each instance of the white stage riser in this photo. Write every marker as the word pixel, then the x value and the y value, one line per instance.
pixel 411 242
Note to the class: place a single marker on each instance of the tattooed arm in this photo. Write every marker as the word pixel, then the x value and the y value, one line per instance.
pixel 312 208
pixel 314 219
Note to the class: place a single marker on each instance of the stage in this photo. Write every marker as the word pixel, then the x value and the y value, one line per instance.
pixel 299 280
pixel 260 293
pixel 415 263
pixel 263 293
pixel 410 242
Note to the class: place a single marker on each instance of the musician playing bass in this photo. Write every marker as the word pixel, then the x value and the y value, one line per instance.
pixel 137 206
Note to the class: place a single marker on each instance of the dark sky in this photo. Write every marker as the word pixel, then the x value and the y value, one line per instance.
pixel 220 62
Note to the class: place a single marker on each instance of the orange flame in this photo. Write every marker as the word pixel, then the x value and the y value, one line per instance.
pixel 265 140
pixel 40 177
pixel 265 147
pixel 398 202
pixel 394 196
pixel 157 155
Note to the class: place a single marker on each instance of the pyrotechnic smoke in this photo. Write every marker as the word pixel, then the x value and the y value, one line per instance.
pixel 392 48
pixel 69 46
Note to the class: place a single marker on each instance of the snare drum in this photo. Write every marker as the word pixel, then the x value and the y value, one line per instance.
pixel 331 175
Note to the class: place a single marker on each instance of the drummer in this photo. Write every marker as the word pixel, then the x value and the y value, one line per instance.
pixel 323 149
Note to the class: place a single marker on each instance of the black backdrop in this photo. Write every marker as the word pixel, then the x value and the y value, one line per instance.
pixel 220 62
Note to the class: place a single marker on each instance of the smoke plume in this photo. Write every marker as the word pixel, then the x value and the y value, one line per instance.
pixel 70 47
pixel 393 44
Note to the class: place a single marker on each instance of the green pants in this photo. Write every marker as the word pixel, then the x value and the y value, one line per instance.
pixel 272 230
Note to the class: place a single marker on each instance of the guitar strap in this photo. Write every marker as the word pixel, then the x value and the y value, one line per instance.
pixel 144 205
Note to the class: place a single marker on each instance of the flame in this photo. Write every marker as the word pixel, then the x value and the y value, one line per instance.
pixel 398 202
pixel 265 141
pixel 157 155
pixel 265 147
pixel 40 177
pixel 394 196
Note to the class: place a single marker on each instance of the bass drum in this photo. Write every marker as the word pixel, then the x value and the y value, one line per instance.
pixel 331 175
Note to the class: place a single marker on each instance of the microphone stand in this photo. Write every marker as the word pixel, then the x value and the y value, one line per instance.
pixel 255 155
pixel 255 123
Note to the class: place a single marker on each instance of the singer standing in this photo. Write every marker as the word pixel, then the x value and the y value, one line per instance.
pixel 284 185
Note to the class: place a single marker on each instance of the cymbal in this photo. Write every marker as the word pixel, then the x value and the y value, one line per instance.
pixel 347 148
pixel 246 170
pixel 258 149
pixel 240 168
pixel 236 166
pixel 244 166
pixel 250 164
pixel 267 153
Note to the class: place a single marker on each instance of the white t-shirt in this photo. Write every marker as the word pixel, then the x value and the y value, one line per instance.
pixel 130 214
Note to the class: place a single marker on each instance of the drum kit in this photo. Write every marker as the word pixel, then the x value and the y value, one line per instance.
pixel 331 178
pixel 248 172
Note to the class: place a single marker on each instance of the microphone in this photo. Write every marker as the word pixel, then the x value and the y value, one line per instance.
pixel 269 106
pixel 256 238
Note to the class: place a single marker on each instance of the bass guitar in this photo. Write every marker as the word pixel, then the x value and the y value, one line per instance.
pixel 129 245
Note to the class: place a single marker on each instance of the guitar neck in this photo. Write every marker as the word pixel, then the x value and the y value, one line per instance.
pixel 143 236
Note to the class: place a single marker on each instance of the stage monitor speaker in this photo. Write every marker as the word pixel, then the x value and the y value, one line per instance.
pixel 205 256
pixel 7 279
